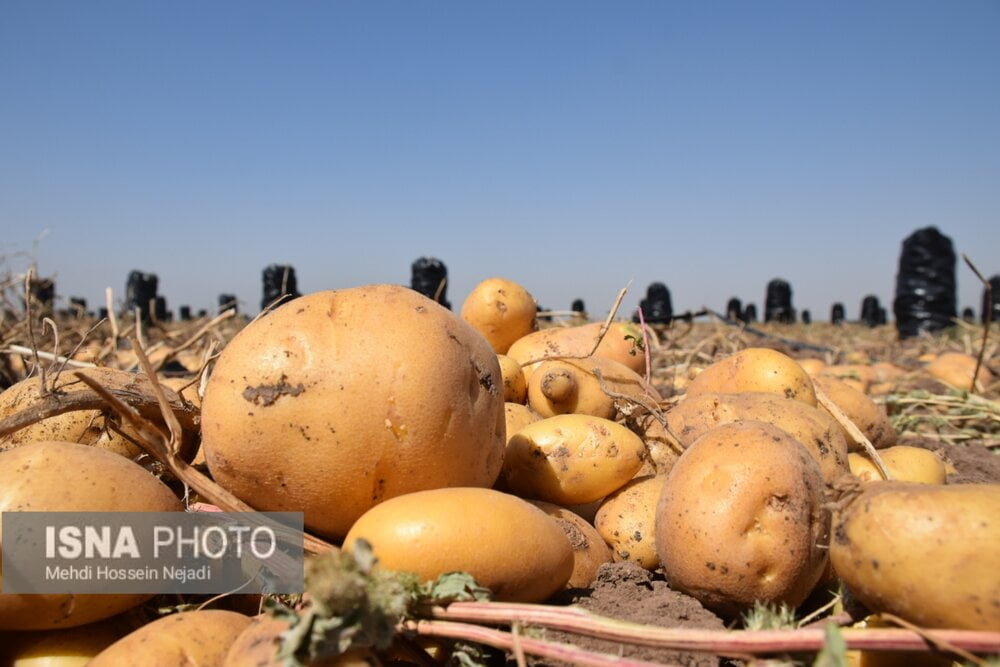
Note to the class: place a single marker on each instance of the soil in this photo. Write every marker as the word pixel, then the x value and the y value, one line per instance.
pixel 627 592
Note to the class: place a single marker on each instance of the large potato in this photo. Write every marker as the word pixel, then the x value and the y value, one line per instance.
pixel 188 638
pixel 814 428
pixel 571 459
pixel 508 545
pixel 756 369
pixel 67 477
pixel 741 519
pixel 502 311
pixel 572 386
pixel 926 553
pixel 867 415
pixel 339 400
pixel 619 344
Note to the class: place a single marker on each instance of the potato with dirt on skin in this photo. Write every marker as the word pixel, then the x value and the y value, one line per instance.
pixel 324 407
pixel 926 553
pixel 589 549
pixel 517 416
pixel 627 521
pixel 574 386
pixel 755 369
pixel 502 311
pixel 620 343
pixel 905 464
pixel 870 417
pixel 515 389
pixel 571 459
pixel 187 638
pixel 955 370
pixel 812 427
pixel 508 545
pixel 741 518
pixel 67 477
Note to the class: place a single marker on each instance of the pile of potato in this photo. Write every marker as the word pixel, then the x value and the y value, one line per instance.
pixel 527 458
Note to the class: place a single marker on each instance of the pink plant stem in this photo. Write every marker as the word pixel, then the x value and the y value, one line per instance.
pixel 729 642
pixel 505 641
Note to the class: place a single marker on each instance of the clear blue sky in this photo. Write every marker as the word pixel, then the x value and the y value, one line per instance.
pixel 571 146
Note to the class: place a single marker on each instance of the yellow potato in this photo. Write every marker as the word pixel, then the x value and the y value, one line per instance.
pixel 742 519
pixel 905 464
pixel 955 369
pixel 867 415
pixel 618 344
pixel 571 459
pixel 855 375
pixel 502 311
pixel 187 638
pixel 812 427
pixel 662 449
pixel 515 389
pixel 756 369
pixel 518 416
pixel 926 553
pixel 504 542
pixel 67 477
pixel 811 366
pixel 589 550
pixel 571 386
pixel 627 521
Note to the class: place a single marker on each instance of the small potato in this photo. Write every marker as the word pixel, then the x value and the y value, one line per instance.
pixel 627 521
pixel 812 427
pixel 518 416
pixel 867 415
pixel 811 366
pixel 742 518
pixel 187 638
pixel 502 311
pixel 571 386
pixel 756 369
pixel 955 370
pixel 589 550
pixel 507 544
pixel 926 553
pixel 67 477
pixel 855 375
pixel 571 459
pixel 662 449
pixel 515 389
pixel 618 344
pixel 905 464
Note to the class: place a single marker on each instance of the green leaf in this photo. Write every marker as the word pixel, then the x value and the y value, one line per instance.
pixel 834 651
pixel 455 587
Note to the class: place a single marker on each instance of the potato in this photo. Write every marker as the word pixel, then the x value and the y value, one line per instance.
pixel 589 550
pixel 854 375
pixel 571 459
pixel 517 416
pixel 741 519
pixel 905 464
pixel 571 386
pixel 187 638
pixel 515 389
pixel 661 449
pixel 67 477
pixel 339 400
pixel 627 520
pixel 502 311
pixel 618 344
pixel 755 369
pixel 955 370
pixel 66 647
pixel 867 415
pixel 812 427
pixel 926 553
pixel 505 543
pixel 811 366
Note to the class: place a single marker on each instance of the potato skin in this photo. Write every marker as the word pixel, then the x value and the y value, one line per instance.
pixel 579 341
pixel 515 389
pixel 571 459
pixel 571 386
pixel 627 521
pixel 812 427
pixel 867 415
pixel 67 477
pixel 192 637
pixel 741 518
pixel 341 399
pixel 905 464
pixel 955 369
pixel 756 369
pixel 589 550
pixel 502 311
pixel 926 553
pixel 510 546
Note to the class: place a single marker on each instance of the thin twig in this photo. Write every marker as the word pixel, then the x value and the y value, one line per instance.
pixel 68 361
pixel 987 319
pixel 31 333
